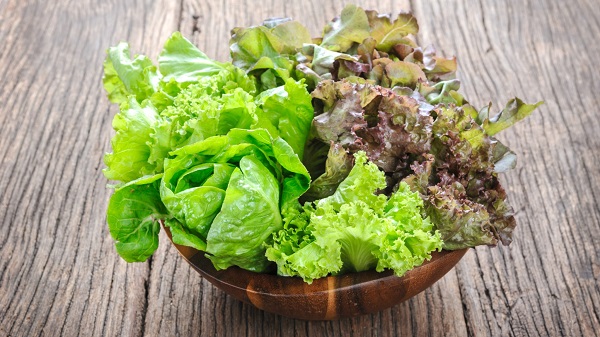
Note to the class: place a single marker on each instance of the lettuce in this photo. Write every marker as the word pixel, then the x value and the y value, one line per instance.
pixel 206 134
pixel 354 230
pixel 360 46
pixel 134 126
pixel 226 193
pixel 447 152
pixel 362 125
pixel 133 218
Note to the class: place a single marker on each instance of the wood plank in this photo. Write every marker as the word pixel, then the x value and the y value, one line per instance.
pixel 59 274
pixel 546 282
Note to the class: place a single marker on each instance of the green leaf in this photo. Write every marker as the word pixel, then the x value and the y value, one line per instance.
pixel 504 159
pixel 186 194
pixel 323 58
pixel 514 111
pixel 440 92
pixel 351 27
pixel 237 111
pixel 404 74
pixel 248 217
pixel 294 35
pixel 115 89
pixel 362 182
pixel 133 215
pixel 182 61
pixel 249 46
pixel 297 181
pixel 289 110
pixel 124 76
pixel 388 33
pixel 131 150
pixel 337 168
pixel 182 236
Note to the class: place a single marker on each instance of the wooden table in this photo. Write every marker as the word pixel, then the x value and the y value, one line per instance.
pixel 60 274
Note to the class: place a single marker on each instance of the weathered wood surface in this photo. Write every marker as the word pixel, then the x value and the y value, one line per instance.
pixel 60 275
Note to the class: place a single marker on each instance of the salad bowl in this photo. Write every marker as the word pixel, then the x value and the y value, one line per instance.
pixel 327 298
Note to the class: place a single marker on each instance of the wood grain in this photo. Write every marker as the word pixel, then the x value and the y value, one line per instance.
pixel 60 275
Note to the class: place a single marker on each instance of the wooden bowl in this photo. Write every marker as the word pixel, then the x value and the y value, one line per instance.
pixel 328 298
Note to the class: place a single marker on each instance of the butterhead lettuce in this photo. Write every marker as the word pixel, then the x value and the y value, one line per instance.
pixel 200 148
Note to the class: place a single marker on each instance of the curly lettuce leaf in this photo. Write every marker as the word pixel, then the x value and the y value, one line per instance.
pixel 179 63
pixel 133 215
pixel 361 184
pixel 131 148
pixel 372 119
pixel 124 76
pixel 465 199
pixel 354 230
pixel 289 110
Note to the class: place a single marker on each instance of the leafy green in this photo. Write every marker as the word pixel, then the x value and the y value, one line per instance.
pixel 133 215
pixel 248 217
pixel 351 27
pixel 124 76
pixel 354 230
pixel 514 111
pixel 289 110
pixel 337 166
pixel 401 164
pixel 226 193
pixel 443 151
pixel 204 133
pixel 131 151
pixel 182 61
pixel 267 51
pixel 389 33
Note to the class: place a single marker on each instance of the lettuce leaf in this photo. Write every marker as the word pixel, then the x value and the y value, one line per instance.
pixel 289 110
pixel 267 51
pixel 226 194
pixel 248 217
pixel 182 61
pixel 133 215
pixel 354 230
pixel 204 131
pixel 446 152
pixel 352 26
pixel 124 77
pixel 514 111
pixel 131 149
